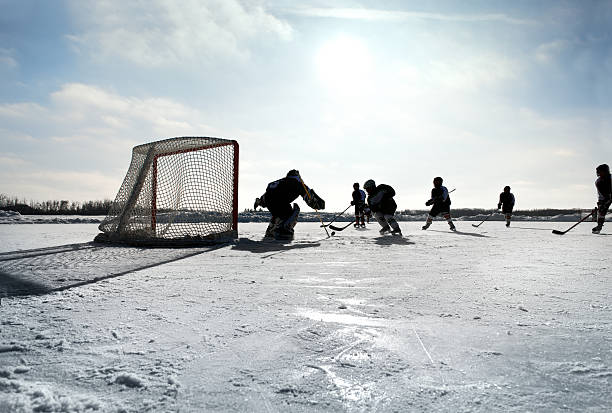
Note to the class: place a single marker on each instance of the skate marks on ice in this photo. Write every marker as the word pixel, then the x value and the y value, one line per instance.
pixel 470 234
pixel 534 229
pixel 13 255
pixel 45 270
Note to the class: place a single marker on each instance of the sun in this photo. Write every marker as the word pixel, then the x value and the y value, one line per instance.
pixel 344 64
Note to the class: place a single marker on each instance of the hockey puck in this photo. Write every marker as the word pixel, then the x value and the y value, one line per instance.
pixel 333 233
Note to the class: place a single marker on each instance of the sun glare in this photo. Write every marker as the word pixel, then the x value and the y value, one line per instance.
pixel 344 64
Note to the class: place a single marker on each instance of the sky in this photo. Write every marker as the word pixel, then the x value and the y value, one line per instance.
pixel 482 93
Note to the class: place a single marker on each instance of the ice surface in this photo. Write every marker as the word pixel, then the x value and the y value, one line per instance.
pixel 485 319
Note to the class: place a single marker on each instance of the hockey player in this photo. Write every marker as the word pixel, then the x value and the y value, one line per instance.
pixel 367 212
pixel 604 192
pixel 278 197
pixel 382 204
pixel 441 204
pixel 506 204
pixel 359 198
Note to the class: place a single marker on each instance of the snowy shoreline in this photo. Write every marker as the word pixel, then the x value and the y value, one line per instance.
pixel 12 217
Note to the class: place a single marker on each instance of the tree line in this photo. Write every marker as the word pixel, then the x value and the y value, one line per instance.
pixel 101 207
pixel 54 207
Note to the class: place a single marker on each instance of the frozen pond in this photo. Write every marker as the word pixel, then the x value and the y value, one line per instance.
pixel 485 319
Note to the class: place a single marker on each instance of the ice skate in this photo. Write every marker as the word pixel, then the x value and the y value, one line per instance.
pixel 424 227
pixel 597 229
pixel 452 226
pixel 397 232
pixel 384 230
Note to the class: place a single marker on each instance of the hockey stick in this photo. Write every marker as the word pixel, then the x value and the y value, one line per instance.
pixel 342 228
pixel 567 230
pixel 336 217
pixel 316 210
pixel 489 216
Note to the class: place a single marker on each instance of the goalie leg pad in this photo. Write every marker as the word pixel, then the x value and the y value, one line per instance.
pixel 285 228
pixel 272 226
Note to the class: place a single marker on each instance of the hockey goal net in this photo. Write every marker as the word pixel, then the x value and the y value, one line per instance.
pixel 177 191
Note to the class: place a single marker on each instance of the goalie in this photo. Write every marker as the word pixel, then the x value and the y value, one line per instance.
pixel 278 198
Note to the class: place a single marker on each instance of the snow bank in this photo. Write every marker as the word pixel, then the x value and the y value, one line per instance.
pixel 12 217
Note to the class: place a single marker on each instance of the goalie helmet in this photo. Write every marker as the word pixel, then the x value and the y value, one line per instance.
pixel 293 172
pixel 438 181
pixel 369 185
pixel 603 168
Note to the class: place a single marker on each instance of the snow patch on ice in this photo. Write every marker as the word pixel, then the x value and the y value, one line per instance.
pixel 342 318
pixel 21 397
pixel 129 380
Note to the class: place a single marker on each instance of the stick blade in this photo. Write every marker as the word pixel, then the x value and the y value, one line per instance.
pixel 335 228
pixel 555 231
pixel 475 226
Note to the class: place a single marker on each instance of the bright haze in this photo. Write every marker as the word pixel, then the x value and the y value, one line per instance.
pixel 482 93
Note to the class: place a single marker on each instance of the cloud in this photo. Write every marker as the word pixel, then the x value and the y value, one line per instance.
pixel 159 32
pixel 394 15
pixel 547 52
pixel 7 60
pixel 41 183
pixel 10 160
pixel 474 72
pixel 564 153
pixel 81 142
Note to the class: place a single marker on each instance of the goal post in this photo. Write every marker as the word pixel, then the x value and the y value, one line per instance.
pixel 177 191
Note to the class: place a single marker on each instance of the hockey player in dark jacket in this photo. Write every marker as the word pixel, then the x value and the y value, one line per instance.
pixel 383 206
pixel 359 200
pixel 506 204
pixel 278 197
pixel 604 195
pixel 441 204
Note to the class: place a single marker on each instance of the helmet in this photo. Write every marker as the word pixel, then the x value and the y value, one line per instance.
pixel 356 185
pixel 437 181
pixel 506 188
pixel 603 168
pixel 369 185
pixel 293 172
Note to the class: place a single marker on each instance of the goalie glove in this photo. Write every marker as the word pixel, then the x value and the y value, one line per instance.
pixel 314 201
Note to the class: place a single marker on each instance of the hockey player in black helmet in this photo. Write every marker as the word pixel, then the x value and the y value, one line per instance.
pixel 506 204
pixel 604 195
pixel 359 199
pixel 441 204
pixel 383 206
pixel 278 197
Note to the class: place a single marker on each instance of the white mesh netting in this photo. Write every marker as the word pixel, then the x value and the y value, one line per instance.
pixel 177 190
